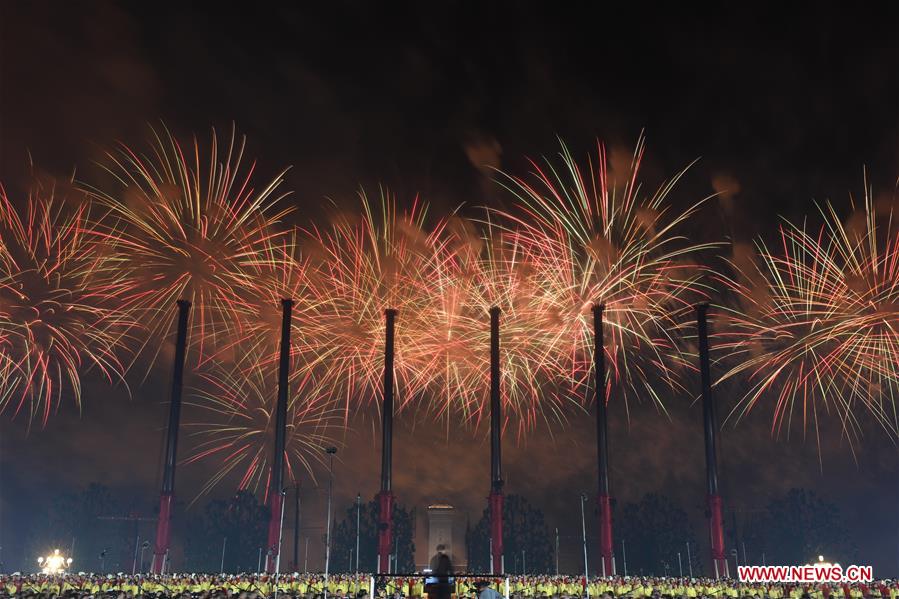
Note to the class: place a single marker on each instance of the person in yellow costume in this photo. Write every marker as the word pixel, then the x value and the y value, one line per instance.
pixel 418 589
pixel 551 587
pixel 516 586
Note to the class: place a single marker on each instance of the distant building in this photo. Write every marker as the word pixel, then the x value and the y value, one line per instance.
pixel 441 518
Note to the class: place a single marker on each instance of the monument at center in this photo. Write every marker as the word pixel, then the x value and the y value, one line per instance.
pixel 441 517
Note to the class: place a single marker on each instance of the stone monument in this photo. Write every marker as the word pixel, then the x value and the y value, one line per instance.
pixel 441 517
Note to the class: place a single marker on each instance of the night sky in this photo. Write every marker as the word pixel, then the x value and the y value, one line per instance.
pixel 781 109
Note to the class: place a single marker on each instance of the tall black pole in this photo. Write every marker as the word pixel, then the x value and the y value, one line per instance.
pixel 710 425
pixel 385 497
pixel 709 413
pixel 276 484
pixel 599 366
pixel 496 458
pixel 163 525
pixel 387 421
pixel 602 443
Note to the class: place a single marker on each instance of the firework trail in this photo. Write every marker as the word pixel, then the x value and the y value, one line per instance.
pixel 817 326
pixel 180 228
pixel 56 320
pixel 594 236
pixel 232 423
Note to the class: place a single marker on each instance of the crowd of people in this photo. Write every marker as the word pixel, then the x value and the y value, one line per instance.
pixel 358 586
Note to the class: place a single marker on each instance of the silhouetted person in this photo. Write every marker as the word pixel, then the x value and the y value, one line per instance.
pixel 439 586
pixel 485 591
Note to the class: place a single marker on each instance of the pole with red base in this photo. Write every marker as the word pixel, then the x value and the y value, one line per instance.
pixel 496 460
pixel 385 497
pixel 710 424
pixel 276 482
pixel 166 497
pixel 607 564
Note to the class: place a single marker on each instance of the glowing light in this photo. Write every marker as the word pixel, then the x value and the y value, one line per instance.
pixel 54 563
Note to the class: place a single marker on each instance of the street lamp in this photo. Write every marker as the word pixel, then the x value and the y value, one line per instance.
pixel 144 546
pixel 358 511
pixel 557 551
pixel 584 529
pixel 330 451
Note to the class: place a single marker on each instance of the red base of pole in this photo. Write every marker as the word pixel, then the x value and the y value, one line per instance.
pixel 161 550
pixel 716 534
pixel 274 531
pixel 385 530
pixel 607 564
pixel 496 530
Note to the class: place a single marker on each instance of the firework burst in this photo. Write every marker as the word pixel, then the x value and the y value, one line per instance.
pixel 182 229
pixel 385 259
pixel 278 271
pixel 233 423
pixel 594 236
pixel 56 320
pixel 817 327
pixel 483 270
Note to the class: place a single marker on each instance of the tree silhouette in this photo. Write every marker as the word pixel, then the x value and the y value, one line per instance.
pixel 343 539
pixel 655 530
pixel 75 520
pixel 800 526
pixel 526 541
pixel 242 520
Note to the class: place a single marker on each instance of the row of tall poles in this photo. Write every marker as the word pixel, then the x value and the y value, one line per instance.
pixel 710 426
pixel 496 498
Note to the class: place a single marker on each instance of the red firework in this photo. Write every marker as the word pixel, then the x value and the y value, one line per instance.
pixel 57 318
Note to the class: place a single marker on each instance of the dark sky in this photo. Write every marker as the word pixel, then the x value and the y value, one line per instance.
pixel 788 107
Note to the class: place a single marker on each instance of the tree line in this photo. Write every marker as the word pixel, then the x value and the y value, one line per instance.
pixel 110 532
